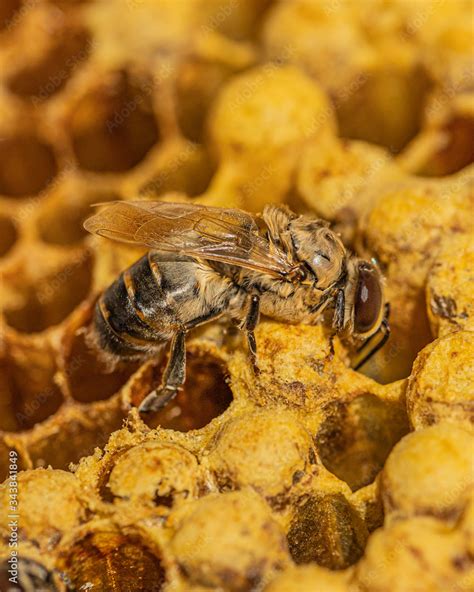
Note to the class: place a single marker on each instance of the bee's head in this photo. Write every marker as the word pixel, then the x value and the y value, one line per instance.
pixel 364 309
pixel 319 249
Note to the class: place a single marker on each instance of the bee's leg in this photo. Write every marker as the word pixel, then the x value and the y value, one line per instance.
pixel 339 310
pixel 173 377
pixel 371 346
pixel 249 327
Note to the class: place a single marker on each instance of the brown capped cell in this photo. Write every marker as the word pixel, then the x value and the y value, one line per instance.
pixel 228 540
pixel 441 387
pixel 450 283
pixel 264 450
pixel 153 473
pixel 327 530
pixel 103 557
pixel 429 472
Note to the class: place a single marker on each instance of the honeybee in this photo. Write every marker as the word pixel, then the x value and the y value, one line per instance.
pixel 206 262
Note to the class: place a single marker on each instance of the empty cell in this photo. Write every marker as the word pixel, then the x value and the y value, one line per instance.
pixel 112 126
pixel 27 165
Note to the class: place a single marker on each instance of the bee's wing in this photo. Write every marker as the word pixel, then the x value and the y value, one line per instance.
pixel 217 234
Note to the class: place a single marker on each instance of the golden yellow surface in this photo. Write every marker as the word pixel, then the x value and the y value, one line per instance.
pixel 449 286
pixel 310 476
pixel 437 484
pixel 442 384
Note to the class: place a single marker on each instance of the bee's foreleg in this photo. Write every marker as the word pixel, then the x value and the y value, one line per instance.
pixel 339 311
pixel 173 376
pixel 249 325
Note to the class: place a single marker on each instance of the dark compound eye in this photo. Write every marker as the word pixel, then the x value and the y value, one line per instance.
pixel 368 300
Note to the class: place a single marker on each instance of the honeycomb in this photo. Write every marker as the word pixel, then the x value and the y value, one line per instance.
pixel 305 477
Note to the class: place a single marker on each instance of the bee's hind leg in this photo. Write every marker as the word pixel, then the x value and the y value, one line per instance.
pixel 249 325
pixel 173 377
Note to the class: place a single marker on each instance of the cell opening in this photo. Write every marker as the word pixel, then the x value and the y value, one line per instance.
pixel 38 81
pixel 81 432
pixel 112 126
pixel 356 437
pixel 88 377
pixel 48 302
pixel 396 88
pixel 8 235
pixel 204 396
pixel 33 408
pixel 27 165
pixel 103 484
pixel 198 83
pixel 8 12
pixel 108 560
pixel 61 221
pixel 457 153
pixel 29 388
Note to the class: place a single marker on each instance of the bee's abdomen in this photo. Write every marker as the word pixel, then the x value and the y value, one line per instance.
pixel 134 313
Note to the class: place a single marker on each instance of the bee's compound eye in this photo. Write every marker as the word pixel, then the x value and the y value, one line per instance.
pixel 368 300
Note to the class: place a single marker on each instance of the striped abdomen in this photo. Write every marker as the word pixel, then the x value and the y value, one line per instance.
pixel 153 299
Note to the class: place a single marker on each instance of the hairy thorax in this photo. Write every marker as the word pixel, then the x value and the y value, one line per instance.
pixel 289 302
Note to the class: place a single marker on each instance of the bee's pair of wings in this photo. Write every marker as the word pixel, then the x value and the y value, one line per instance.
pixel 217 234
